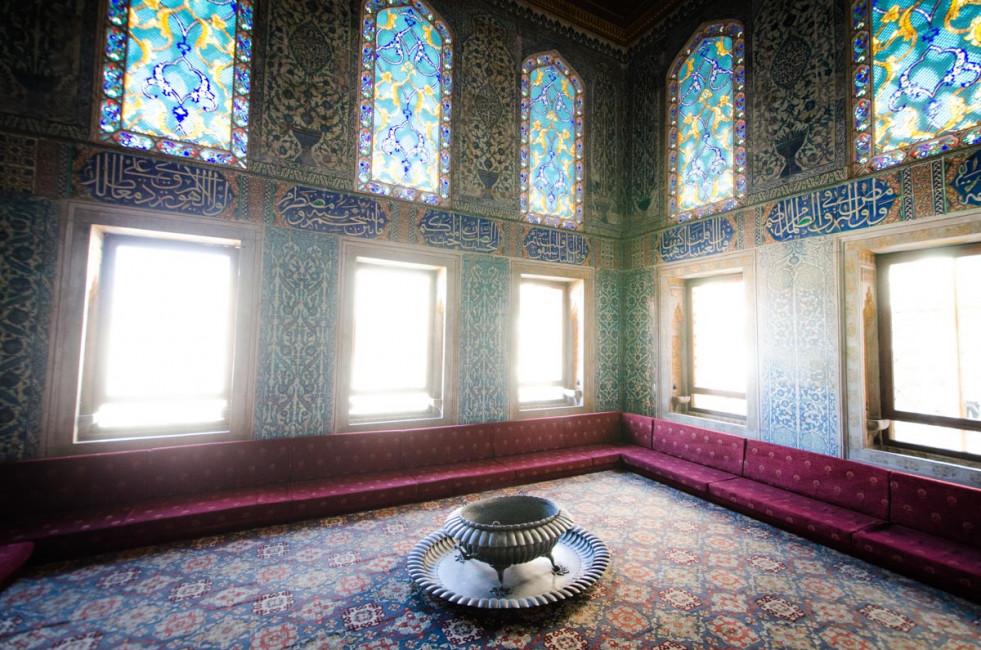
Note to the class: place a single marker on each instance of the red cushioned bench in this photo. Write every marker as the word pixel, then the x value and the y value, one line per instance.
pixel 818 496
pixel 85 504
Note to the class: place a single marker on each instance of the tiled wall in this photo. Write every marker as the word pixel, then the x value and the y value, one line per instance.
pixel 298 187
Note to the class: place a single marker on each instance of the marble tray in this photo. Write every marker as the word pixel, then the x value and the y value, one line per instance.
pixel 435 565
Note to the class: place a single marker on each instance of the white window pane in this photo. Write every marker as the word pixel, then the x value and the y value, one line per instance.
pixel 170 323
pixel 969 328
pixel 937 437
pixel 924 337
pixel 390 403
pixel 734 405
pixel 541 393
pixel 540 337
pixel 718 321
pixel 155 413
pixel 393 314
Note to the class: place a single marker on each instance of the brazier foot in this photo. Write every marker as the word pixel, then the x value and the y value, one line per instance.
pixel 557 569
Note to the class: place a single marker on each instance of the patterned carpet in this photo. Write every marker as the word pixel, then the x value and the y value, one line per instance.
pixel 684 574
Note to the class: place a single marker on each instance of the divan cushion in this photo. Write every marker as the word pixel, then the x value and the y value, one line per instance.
pixel 189 515
pixel 674 471
pixel 194 469
pixel 593 428
pixel 337 495
pixel 528 436
pixel 849 484
pixel 461 478
pixel 548 464
pixel 45 525
pixel 949 565
pixel 795 512
pixel 722 451
pixel 444 445
pixel 12 558
pixel 639 429
pixel 73 482
pixel 945 509
pixel 346 454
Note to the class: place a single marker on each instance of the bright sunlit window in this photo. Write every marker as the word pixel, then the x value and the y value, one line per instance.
pixel 549 342
pixel 930 350
pixel 716 346
pixel 163 349
pixel 156 318
pixel 393 370
pixel 396 357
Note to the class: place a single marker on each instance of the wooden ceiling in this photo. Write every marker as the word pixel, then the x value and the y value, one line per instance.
pixel 620 21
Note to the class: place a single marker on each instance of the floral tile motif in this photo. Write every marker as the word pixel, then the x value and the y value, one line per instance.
pixel 28 250
pixel 241 595
pixel 295 370
pixel 486 294
pixel 798 356
pixel 638 359
pixel 607 368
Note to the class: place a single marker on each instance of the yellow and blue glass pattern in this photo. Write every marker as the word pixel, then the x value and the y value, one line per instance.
pixel 551 142
pixel 707 128
pixel 176 78
pixel 406 84
pixel 916 79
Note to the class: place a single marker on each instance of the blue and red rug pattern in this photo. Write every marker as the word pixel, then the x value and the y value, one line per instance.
pixel 684 574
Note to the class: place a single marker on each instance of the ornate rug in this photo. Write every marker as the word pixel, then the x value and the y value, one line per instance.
pixel 684 574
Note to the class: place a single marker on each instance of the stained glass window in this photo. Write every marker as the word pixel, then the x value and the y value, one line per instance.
pixel 176 76
pixel 916 79
pixel 707 125
pixel 406 83
pixel 552 97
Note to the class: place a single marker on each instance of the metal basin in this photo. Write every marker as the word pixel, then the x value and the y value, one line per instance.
pixel 508 530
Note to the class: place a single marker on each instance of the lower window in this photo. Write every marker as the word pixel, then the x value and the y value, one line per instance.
pixel 550 353
pixel 716 365
pixel 394 358
pixel 155 331
pixel 929 306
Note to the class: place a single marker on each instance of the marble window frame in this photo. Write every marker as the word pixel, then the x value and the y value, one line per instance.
pixel 448 338
pixel 863 420
pixel 545 271
pixel 71 303
pixel 673 325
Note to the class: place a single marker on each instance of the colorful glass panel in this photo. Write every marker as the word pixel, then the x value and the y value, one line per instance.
pixel 551 142
pixel 916 79
pixel 176 78
pixel 707 127
pixel 406 84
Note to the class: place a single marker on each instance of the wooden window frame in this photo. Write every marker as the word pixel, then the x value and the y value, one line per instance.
pixel 689 368
pixel 884 314
pixel 83 230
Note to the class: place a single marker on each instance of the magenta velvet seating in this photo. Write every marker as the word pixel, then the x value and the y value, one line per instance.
pixel 688 457
pixel 934 534
pixel 676 472
pixel 638 429
pixel 818 496
pixel 13 557
pixel 601 435
pixel 72 504
pixel 453 460
pixel 540 449
pixel 199 489
pixel 344 472
pixel 722 451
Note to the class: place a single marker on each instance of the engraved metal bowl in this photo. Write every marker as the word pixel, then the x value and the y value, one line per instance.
pixel 508 530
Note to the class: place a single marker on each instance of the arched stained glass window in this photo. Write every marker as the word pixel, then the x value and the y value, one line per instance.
pixel 176 76
pixel 552 98
pixel 707 125
pixel 406 83
pixel 916 79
